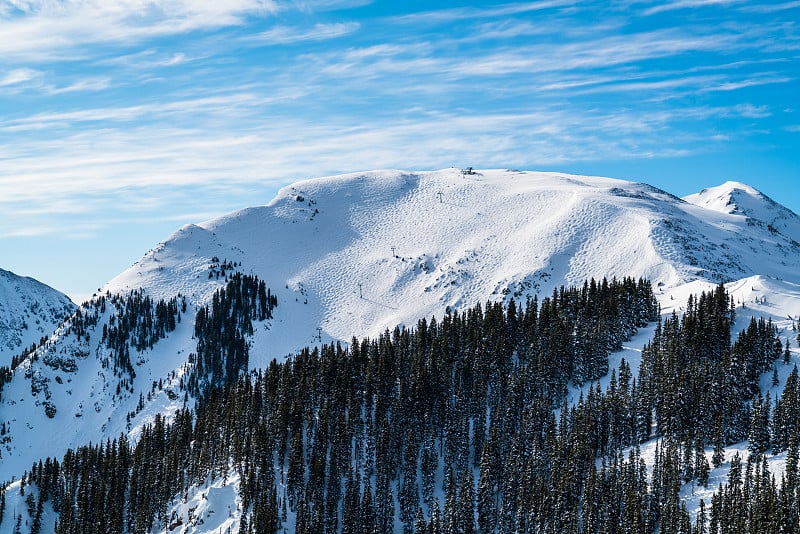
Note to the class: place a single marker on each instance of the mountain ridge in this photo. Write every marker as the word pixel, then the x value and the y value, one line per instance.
pixel 736 198
pixel 29 310
pixel 444 238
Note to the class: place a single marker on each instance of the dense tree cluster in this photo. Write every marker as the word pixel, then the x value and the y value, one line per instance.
pixel 451 428
pixel 138 323
pixel 218 269
pixel 222 327
pixel 5 377
pixel 371 416
pixel 693 381
pixel 579 327
pixel 751 501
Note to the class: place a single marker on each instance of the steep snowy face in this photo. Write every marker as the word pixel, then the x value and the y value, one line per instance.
pixel 735 198
pixel 730 197
pixel 29 310
pixel 356 254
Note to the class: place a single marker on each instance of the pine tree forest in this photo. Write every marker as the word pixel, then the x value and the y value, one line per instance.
pixel 459 425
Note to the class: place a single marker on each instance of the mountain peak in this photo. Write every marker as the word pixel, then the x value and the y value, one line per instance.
pixel 362 252
pixel 735 185
pixel 29 310
pixel 735 198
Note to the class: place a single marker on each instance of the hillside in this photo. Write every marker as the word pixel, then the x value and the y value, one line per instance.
pixel 735 198
pixel 29 310
pixel 359 254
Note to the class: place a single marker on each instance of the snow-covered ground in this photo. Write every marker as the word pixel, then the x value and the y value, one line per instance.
pixel 353 255
pixel 210 507
pixel 356 254
pixel 29 310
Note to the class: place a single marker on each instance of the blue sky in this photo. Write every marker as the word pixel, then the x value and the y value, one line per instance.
pixel 120 121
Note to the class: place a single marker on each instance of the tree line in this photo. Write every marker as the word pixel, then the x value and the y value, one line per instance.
pixel 461 425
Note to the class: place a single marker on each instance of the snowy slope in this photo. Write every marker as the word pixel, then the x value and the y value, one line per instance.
pixel 29 310
pixel 353 255
pixel 69 376
pixel 359 253
pixel 735 198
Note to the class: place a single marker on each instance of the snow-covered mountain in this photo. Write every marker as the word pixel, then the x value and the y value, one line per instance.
pixel 359 253
pixel 356 254
pixel 29 310
pixel 740 199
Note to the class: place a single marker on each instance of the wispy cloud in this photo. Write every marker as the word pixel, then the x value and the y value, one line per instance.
pixel 502 92
pixel 751 82
pixel 634 84
pixel 16 76
pixel 148 58
pixel 456 14
pixel 505 29
pixel 86 84
pixel 753 112
pixel 315 6
pixel 675 84
pixel 43 30
pixel 176 59
pixel 292 35
pixel 596 53
pixel 223 104
pixel 687 4
pixel 31 231
pixel 87 172
pixel 771 8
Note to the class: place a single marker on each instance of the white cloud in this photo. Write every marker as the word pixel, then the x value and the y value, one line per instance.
pixel 31 230
pixel 753 112
pixel 667 85
pixel 148 60
pixel 456 14
pixel 318 32
pixel 635 84
pixel 771 8
pixel 86 84
pixel 577 55
pixel 130 169
pixel 225 104
pixel 752 82
pixel 45 30
pixel 509 28
pixel 687 4
pixel 176 59
pixel 315 6
pixel 424 99
pixel 19 76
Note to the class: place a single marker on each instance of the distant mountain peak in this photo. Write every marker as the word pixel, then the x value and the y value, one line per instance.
pixel 736 198
pixel 736 185
pixel 29 310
